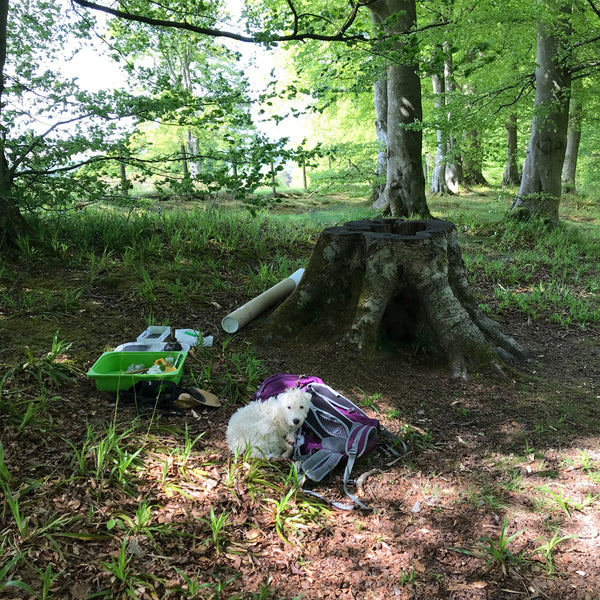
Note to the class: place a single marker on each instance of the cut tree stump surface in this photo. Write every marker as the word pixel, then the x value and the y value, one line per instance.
pixel 394 281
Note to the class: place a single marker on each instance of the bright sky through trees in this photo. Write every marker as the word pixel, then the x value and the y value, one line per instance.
pixel 96 70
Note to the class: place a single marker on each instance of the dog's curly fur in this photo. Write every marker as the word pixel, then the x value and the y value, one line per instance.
pixel 269 428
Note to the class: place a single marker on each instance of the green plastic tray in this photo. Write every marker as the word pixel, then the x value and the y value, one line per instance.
pixel 109 370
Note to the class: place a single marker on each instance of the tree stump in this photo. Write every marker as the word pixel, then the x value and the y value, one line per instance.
pixel 391 280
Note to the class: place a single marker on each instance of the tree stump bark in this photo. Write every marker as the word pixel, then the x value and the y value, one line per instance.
pixel 391 280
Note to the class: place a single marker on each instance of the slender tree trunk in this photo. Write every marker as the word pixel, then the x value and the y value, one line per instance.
pixel 12 223
pixel 193 149
pixel 123 179
pixel 405 185
pixel 273 182
pixel 123 182
pixel 381 109
pixel 573 139
pixel 539 194
pixel 453 173
pixel 511 175
pixel 184 162
pixel 191 141
pixel 438 176
pixel 304 178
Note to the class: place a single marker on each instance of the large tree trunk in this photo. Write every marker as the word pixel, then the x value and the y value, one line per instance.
pixel 12 223
pixel 381 109
pixel 573 139
pixel 539 194
pixel 405 186
pixel 391 281
pixel 511 168
pixel 438 175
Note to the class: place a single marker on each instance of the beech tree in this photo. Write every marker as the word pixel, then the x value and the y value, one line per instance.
pixel 31 93
pixel 472 156
pixel 540 191
pixel 404 191
pixel 381 113
pixel 511 174
pixel 438 175
pixel 210 137
pixel 84 142
pixel 478 56
pixel 573 137
pixel 567 48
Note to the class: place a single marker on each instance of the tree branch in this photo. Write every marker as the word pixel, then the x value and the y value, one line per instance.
pixel 585 67
pixel 38 139
pixel 585 42
pixel 594 7
pixel 341 34
pixel 131 161
pixel 295 13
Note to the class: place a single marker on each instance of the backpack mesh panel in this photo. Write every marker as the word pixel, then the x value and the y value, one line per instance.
pixel 333 427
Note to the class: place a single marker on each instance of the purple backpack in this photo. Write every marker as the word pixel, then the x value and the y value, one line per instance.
pixel 334 430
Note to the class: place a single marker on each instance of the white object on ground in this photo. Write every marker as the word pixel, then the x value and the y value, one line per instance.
pixel 252 309
pixel 191 337
pixel 155 333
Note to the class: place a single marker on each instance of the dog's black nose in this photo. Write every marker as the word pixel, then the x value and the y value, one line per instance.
pixel 296 421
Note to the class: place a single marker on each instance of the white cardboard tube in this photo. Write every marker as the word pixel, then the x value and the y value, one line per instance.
pixel 249 311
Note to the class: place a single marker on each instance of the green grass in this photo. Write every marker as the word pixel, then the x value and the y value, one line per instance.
pixel 549 275
pixel 167 257
pixel 496 549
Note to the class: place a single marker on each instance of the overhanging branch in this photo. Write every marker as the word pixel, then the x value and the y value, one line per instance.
pixel 340 35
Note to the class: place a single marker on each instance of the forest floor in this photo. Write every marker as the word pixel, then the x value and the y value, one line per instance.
pixel 498 496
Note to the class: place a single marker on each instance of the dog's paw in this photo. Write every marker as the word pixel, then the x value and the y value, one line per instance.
pixel 288 452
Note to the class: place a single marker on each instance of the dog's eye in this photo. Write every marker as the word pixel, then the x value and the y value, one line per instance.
pixel 301 407
pixel 289 408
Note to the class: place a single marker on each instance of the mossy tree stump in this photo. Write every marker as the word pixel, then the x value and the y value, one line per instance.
pixel 369 282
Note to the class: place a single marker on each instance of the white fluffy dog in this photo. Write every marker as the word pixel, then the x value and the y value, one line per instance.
pixel 269 428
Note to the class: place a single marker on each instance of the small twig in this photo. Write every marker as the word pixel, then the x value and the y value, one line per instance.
pixel 398 459
pixel 361 480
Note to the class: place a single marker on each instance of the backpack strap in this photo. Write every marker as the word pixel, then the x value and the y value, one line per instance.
pixel 355 447
pixel 391 441
pixel 319 464
pixel 333 503
pixel 346 479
